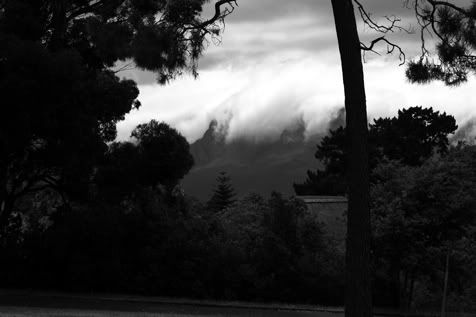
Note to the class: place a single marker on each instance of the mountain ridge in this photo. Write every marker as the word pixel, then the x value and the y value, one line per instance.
pixel 254 166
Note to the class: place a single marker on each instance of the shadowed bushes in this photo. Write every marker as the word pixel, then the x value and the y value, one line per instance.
pixel 256 250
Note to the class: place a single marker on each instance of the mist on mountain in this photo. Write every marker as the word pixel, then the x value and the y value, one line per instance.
pixel 254 166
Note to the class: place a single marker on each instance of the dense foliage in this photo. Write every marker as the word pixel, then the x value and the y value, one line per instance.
pixel 61 96
pixel 158 155
pixel 411 137
pixel 420 214
pixel 258 249
pixel 453 27
pixel 134 233
pixel 81 212
pixel 423 206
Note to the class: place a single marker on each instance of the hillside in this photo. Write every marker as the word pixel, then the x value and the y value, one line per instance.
pixel 259 167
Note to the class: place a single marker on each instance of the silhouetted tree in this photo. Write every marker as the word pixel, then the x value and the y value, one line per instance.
pixel 159 155
pixel 453 27
pixel 358 288
pixel 61 57
pixel 223 195
pixel 411 137
pixel 332 180
pixel 165 153
pixel 358 294
pixel 455 50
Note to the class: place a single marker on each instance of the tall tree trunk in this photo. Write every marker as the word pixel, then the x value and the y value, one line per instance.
pixel 404 293
pixel 410 292
pixel 358 301
pixel 445 286
pixel 394 273
pixel 3 197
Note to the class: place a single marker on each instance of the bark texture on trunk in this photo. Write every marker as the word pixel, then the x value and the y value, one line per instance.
pixel 358 279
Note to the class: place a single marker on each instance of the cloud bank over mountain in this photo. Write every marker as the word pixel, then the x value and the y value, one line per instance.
pixel 259 167
pixel 258 102
pixel 273 87
pixel 278 61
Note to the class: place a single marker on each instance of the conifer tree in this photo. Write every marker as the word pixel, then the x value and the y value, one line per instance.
pixel 223 195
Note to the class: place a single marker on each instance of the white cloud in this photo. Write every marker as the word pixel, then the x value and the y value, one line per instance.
pixel 266 97
pixel 268 73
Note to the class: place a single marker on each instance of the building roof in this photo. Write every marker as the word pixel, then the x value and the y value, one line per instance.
pixel 323 199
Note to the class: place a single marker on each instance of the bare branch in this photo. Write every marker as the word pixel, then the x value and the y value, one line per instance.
pixel 370 22
pixel 210 26
pixel 126 67
pixel 88 8
pixel 219 14
pixel 391 27
pixel 391 47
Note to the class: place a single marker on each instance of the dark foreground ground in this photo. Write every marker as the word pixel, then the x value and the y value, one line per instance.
pixel 163 311
pixel 27 304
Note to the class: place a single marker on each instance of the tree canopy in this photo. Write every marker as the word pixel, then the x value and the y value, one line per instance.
pixel 411 137
pixel 419 212
pixel 62 96
pixel 159 155
pixel 454 28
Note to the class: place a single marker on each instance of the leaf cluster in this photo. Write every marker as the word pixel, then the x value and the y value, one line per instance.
pixel 454 28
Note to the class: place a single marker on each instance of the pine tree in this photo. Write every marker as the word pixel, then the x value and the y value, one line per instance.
pixel 223 195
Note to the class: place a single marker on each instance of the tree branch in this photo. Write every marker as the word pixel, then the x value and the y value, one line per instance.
pixel 449 5
pixel 219 15
pixel 428 20
pixel 384 29
pixel 89 8
pixel 391 47
pixel 370 22
pixel 126 67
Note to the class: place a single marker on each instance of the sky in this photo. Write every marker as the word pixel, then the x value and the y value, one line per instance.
pixel 277 63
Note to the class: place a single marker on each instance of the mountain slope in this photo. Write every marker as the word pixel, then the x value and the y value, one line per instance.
pixel 259 167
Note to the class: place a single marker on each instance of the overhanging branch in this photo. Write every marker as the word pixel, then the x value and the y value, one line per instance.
pixel 219 14
pixel 391 47
pixel 391 27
